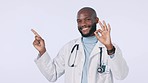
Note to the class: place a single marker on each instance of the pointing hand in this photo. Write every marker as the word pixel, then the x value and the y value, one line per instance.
pixel 39 43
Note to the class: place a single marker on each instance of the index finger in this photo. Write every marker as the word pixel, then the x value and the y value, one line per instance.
pixel 101 25
pixel 35 33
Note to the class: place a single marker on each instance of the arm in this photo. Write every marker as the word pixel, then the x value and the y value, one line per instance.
pixel 117 63
pixel 51 69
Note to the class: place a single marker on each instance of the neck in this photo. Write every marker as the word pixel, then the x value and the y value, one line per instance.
pixel 90 39
pixel 90 35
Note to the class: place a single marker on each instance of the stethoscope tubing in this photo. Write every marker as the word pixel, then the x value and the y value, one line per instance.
pixel 99 69
pixel 77 48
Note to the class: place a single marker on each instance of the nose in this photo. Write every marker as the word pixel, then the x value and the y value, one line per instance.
pixel 83 23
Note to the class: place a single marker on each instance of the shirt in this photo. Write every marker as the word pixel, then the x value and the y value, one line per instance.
pixel 88 45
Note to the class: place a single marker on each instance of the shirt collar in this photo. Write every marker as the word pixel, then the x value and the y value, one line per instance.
pixel 89 40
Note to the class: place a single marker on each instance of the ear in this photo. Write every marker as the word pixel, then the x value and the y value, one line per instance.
pixel 97 20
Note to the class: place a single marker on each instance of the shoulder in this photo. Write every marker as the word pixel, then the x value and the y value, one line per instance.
pixel 72 42
pixel 69 45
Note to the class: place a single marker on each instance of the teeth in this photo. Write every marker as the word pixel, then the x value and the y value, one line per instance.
pixel 84 28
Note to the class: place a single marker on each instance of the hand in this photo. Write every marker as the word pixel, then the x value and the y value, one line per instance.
pixel 39 43
pixel 104 36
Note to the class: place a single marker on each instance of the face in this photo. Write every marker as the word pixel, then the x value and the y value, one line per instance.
pixel 86 24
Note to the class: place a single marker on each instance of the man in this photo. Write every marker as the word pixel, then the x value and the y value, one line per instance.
pixel 93 58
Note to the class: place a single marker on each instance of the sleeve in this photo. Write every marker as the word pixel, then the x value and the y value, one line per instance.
pixel 51 69
pixel 118 65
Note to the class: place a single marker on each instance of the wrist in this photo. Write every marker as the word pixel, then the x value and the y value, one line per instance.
pixel 112 51
pixel 109 47
pixel 42 52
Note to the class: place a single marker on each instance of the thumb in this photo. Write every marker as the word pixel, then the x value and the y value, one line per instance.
pixel 40 40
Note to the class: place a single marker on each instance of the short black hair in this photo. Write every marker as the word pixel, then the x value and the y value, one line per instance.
pixel 93 12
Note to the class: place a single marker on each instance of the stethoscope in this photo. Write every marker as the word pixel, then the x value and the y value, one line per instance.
pixel 77 48
pixel 101 67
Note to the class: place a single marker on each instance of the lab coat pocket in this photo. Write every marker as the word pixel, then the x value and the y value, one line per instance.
pixel 71 74
pixel 103 77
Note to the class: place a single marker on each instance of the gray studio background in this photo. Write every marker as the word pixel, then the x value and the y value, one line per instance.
pixel 55 21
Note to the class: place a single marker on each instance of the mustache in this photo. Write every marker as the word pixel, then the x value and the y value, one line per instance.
pixel 91 31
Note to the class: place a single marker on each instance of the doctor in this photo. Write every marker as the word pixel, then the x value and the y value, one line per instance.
pixel 92 58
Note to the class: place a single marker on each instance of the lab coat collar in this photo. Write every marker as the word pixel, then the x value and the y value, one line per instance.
pixel 96 48
pixel 99 44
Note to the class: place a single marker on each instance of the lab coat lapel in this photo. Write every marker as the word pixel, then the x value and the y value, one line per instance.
pixel 81 52
pixel 96 49
pixel 93 60
pixel 79 62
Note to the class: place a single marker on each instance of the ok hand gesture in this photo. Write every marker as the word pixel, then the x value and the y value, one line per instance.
pixel 104 36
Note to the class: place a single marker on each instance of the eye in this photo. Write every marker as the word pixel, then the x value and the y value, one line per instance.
pixel 88 19
pixel 78 21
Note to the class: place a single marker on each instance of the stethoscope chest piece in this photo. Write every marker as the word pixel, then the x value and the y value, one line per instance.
pixel 101 67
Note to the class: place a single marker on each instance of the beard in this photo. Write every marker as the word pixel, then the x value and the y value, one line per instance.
pixel 91 31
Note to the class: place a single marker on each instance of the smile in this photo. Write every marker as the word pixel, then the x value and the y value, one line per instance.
pixel 84 29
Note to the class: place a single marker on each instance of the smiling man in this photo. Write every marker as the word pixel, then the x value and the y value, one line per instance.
pixel 87 20
pixel 92 58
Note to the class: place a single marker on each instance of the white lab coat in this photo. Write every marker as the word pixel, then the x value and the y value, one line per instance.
pixel 52 69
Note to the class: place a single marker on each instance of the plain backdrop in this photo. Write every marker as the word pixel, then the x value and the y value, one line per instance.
pixel 55 21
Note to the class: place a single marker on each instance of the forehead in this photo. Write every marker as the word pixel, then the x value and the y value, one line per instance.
pixel 84 14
